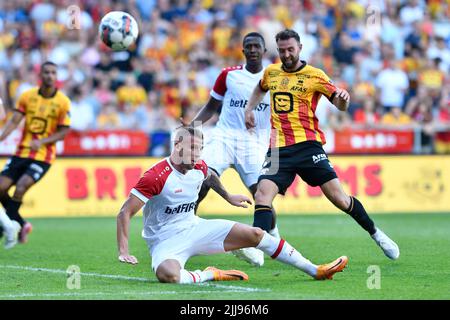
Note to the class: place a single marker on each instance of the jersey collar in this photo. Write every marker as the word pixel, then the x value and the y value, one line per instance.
pixel 244 68
pixel 174 169
pixel 52 96
pixel 304 63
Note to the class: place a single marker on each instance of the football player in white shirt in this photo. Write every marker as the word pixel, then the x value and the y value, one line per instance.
pixel 169 191
pixel 231 145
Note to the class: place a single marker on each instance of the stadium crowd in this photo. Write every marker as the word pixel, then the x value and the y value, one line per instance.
pixel 392 56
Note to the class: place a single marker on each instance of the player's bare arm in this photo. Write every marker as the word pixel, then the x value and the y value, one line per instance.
pixel 128 210
pixel 237 200
pixel 12 124
pixel 58 135
pixel 256 97
pixel 341 99
pixel 207 111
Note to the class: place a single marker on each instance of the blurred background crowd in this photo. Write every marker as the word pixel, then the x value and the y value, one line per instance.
pixel 392 56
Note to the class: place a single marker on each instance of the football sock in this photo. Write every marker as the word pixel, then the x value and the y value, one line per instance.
pixel 4 220
pixel 263 217
pixel 4 200
pixel 196 276
pixel 282 251
pixel 275 233
pixel 12 210
pixel 357 212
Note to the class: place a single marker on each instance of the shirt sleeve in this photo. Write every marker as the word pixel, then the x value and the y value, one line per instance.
pixel 325 86
pixel 21 104
pixel 64 117
pixel 203 167
pixel 148 186
pixel 264 82
pixel 220 86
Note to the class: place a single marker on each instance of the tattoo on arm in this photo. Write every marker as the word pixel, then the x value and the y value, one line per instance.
pixel 213 181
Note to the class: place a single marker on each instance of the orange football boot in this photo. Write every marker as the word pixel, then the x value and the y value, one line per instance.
pixel 326 271
pixel 227 275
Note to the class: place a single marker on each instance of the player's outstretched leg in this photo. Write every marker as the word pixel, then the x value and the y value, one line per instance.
pixel 243 236
pixel 170 271
pixel 11 229
pixel 264 218
pixel 350 205
pixel 22 186
pixel 5 184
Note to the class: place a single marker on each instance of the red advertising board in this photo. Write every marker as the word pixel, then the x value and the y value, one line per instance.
pixel 99 142
pixel 373 141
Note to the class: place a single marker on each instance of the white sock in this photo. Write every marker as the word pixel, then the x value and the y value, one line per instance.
pixel 196 276
pixel 4 219
pixel 275 233
pixel 282 251
pixel 376 236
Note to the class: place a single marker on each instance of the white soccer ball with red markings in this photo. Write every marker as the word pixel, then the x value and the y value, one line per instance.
pixel 118 30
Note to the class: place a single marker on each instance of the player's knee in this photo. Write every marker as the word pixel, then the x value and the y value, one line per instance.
pixel 170 279
pixel 262 197
pixel 166 276
pixel 256 235
pixel 3 190
pixel 4 187
pixel 20 190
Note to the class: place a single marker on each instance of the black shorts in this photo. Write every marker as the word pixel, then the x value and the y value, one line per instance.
pixel 15 167
pixel 307 159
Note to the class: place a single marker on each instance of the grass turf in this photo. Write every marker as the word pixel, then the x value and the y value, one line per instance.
pixel 36 270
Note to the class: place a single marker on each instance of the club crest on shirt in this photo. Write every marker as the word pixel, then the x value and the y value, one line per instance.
pixel 284 84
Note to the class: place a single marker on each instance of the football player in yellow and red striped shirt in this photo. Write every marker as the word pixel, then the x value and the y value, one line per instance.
pixel 296 140
pixel 46 112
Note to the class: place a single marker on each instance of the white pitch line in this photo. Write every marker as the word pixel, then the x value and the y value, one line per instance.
pixel 86 294
pixel 230 288
pixel 221 286
pixel 88 274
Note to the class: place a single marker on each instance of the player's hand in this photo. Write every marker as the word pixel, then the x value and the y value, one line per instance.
pixel 343 94
pixel 250 122
pixel 35 145
pixel 238 200
pixel 128 259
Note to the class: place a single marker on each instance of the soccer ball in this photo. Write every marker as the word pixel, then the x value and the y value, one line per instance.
pixel 118 30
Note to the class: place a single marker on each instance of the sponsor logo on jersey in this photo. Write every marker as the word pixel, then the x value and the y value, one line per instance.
pixel 185 207
pixel 298 88
pixel 242 103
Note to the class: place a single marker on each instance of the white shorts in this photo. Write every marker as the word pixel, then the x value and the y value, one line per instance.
pixel 204 238
pixel 245 155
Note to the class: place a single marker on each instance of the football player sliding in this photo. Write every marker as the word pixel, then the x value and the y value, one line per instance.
pixel 168 193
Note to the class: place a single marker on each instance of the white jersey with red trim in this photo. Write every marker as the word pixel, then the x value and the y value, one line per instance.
pixel 170 197
pixel 233 87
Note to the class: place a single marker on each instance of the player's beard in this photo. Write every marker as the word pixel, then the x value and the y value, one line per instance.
pixel 48 83
pixel 292 63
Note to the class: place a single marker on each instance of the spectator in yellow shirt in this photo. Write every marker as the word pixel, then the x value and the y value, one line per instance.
pixel 432 78
pixel 131 92
pixel 108 119
pixel 396 118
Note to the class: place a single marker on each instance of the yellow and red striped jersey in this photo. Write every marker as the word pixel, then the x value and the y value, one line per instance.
pixel 293 98
pixel 42 118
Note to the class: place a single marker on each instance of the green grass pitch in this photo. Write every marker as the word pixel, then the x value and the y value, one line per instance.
pixel 37 270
